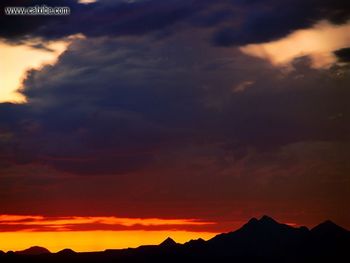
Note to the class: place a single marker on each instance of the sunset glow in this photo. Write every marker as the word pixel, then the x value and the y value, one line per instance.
pixel 81 241
pixel 18 232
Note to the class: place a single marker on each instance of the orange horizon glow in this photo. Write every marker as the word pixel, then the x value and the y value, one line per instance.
pixel 57 233
pixel 85 241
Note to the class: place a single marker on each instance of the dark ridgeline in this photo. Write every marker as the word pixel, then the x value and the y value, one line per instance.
pixel 263 240
pixel 66 252
pixel 34 251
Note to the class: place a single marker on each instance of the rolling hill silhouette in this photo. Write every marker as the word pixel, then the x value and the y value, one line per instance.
pixel 259 240
pixel 34 251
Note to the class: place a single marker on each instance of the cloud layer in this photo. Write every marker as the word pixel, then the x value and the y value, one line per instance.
pixel 10 223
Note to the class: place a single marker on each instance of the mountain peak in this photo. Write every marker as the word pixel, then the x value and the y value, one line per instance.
pixel 253 220
pixel 328 227
pixel 168 242
pixel 265 222
pixel 267 219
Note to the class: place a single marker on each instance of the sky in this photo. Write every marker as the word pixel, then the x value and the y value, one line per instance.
pixel 126 122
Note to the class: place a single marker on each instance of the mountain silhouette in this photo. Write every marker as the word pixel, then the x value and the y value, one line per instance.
pixel 169 242
pixel 328 228
pixel 34 251
pixel 259 240
pixel 195 242
pixel 66 252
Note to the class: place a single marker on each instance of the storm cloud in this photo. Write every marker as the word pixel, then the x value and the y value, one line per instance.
pixel 233 22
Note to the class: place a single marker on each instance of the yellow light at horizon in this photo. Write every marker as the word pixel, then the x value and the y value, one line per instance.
pixel 15 60
pixel 82 241
pixel 318 42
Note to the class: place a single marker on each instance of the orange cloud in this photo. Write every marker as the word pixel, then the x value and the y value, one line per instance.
pixel 87 1
pixel 318 42
pixel 74 223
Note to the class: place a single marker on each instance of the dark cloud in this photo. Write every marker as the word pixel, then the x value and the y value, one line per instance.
pixel 343 54
pixel 108 106
pixel 235 22
pixel 269 20
pixel 102 18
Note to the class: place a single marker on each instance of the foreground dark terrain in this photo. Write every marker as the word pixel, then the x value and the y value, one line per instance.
pixel 263 240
